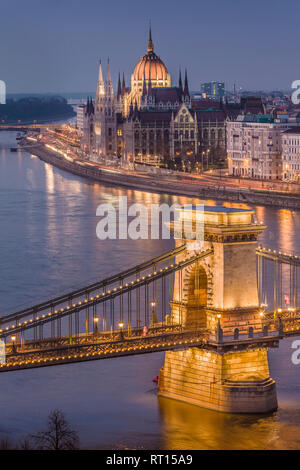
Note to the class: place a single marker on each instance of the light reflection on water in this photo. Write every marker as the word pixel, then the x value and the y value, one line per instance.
pixel 48 245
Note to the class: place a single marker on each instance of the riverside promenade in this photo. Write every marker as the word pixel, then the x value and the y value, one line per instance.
pixel 184 185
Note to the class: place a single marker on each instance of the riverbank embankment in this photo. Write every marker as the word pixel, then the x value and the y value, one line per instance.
pixel 168 184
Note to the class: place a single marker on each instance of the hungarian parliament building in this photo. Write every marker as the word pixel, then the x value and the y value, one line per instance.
pixel 153 121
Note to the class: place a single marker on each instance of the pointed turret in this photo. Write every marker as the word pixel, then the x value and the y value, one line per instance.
pixel 108 81
pixel 100 83
pixel 150 42
pixel 89 106
pixel 186 86
pixel 123 85
pixel 180 82
pixel 119 87
pixel 108 74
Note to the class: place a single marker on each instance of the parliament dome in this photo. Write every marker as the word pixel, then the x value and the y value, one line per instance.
pixel 151 67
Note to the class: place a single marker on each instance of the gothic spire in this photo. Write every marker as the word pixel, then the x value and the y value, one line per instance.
pixel 123 85
pixel 100 84
pixel 180 81
pixel 100 74
pixel 119 87
pixel 186 86
pixel 108 74
pixel 108 82
pixel 150 42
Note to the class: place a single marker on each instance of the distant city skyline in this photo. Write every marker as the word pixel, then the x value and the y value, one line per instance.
pixel 55 46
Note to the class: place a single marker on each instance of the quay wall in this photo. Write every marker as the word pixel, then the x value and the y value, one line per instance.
pixel 173 184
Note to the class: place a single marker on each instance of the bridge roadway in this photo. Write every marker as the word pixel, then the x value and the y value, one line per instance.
pixel 117 343
pixel 43 353
pixel 129 340
pixel 91 348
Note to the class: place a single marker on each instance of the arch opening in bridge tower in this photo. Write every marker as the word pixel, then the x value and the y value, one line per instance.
pixel 197 287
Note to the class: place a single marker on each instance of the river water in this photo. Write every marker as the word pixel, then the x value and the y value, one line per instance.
pixel 48 245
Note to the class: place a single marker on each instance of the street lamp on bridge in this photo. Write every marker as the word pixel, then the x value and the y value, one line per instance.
pixel 153 313
pixel 96 320
pixel 13 340
pixel 121 326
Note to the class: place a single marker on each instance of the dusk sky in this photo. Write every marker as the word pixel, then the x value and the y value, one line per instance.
pixel 55 45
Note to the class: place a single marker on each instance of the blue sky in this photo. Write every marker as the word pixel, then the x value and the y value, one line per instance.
pixel 55 45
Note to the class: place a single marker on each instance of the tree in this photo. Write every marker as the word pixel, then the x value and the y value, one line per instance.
pixel 58 435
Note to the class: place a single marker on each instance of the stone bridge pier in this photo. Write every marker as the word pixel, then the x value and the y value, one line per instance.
pixel 219 291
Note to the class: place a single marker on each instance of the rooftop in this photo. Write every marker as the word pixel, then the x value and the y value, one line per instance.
pixel 293 130
pixel 260 118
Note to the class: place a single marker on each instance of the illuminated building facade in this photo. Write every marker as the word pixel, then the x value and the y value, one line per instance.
pixel 153 121
pixel 291 155
pixel 254 145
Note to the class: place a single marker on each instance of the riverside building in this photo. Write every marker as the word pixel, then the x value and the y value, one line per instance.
pixel 291 155
pixel 154 121
pixel 254 145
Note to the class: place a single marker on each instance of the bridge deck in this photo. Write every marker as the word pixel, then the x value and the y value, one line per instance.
pixel 102 350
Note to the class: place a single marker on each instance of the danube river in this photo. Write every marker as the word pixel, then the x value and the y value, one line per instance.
pixel 48 245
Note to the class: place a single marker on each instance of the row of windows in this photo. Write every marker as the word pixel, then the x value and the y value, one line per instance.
pixel 291 142
pixel 294 166
pixel 186 134
pixel 292 150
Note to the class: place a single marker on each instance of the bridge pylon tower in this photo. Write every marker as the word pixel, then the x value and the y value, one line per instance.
pixel 219 295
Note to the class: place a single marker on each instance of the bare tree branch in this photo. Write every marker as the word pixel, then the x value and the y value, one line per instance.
pixel 58 435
